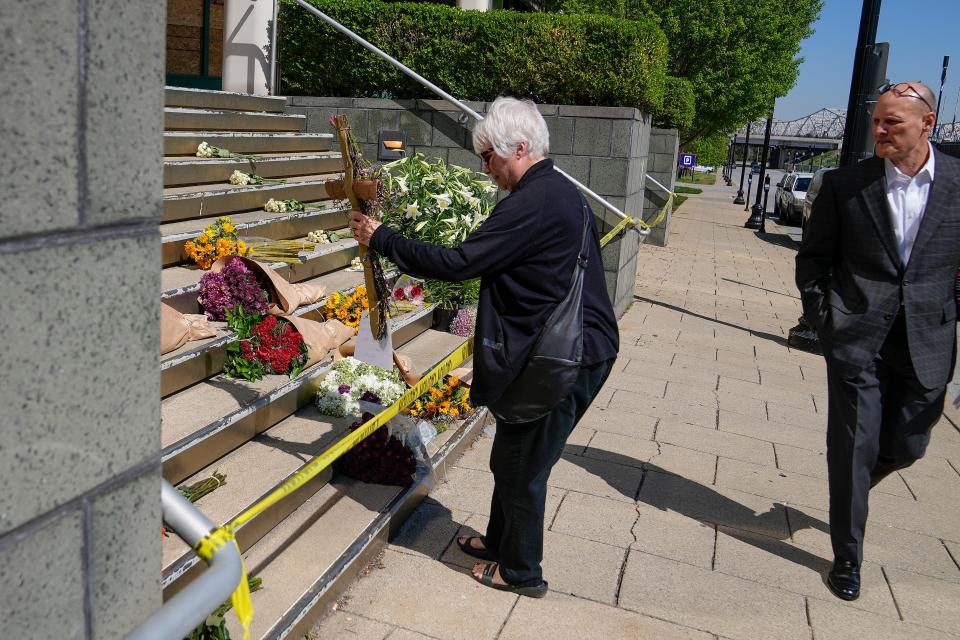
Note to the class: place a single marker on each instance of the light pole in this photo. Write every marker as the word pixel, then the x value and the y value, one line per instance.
pixel 728 169
pixel 746 207
pixel 755 221
pixel 763 213
pixel 746 150
pixel 943 79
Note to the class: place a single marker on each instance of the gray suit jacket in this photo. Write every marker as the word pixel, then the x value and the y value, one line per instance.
pixel 852 282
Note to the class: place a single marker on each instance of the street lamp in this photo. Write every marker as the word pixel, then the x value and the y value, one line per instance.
pixel 763 213
pixel 746 150
pixel 728 168
pixel 746 207
pixel 756 219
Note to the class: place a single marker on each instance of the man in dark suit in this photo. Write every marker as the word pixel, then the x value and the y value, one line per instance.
pixel 876 273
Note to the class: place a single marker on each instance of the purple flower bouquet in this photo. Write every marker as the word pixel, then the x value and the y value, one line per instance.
pixel 235 285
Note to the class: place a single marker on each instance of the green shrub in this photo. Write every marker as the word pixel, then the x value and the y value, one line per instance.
pixel 549 58
pixel 679 105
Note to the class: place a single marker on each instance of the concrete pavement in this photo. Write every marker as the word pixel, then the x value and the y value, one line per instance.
pixel 691 500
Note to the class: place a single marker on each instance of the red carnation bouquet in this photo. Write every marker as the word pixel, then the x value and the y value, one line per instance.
pixel 266 344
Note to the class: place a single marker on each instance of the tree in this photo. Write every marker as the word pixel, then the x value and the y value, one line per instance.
pixel 711 150
pixel 738 56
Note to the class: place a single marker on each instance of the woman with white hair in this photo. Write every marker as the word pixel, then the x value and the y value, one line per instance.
pixel 525 254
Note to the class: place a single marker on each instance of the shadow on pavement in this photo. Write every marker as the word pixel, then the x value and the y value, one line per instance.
pixel 779 239
pixel 669 492
pixel 760 334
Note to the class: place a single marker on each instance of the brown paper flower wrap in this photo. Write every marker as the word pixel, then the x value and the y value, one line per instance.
pixel 284 296
pixel 177 329
pixel 320 337
pixel 402 362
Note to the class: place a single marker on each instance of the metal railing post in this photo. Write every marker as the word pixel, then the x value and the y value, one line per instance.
pixel 183 612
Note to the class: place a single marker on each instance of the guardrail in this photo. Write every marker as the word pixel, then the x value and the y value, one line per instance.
pixel 183 612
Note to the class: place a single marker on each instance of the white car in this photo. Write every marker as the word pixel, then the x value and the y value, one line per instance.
pixel 703 169
pixel 788 204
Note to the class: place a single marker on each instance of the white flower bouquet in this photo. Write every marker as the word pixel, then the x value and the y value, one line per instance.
pixel 242 179
pixel 351 381
pixel 279 206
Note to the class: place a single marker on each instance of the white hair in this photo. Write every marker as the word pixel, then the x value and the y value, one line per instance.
pixel 509 122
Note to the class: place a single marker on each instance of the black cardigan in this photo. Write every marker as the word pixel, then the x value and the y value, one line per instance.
pixel 524 254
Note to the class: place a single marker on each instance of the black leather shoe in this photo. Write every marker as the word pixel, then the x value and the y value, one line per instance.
pixel 844 580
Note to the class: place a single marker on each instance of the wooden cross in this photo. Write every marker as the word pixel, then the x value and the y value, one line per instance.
pixel 343 133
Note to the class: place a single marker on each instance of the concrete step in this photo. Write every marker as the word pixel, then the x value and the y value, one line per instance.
pixel 179 118
pixel 185 143
pixel 182 203
pixel 207 420
pixel 180 285
pixel 194 171
pixel 222 100
pixel 275 455
pixel 326 215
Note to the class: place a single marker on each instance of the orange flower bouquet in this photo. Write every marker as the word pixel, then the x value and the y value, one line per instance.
pixel 347 307
pixel 443 403
pixel 218 240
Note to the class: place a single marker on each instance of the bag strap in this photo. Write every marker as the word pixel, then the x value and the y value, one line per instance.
pixel 584 247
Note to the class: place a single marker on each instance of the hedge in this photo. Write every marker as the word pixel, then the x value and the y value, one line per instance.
pixel 549 58
pixel 679 105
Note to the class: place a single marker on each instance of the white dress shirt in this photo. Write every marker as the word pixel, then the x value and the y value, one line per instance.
pixel 907 198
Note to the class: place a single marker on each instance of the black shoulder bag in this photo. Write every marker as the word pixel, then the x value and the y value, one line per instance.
pixel 554 362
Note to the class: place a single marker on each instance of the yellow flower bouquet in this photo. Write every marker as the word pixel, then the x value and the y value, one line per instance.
pixel 443 403
pixel 218 240
pixel 347 307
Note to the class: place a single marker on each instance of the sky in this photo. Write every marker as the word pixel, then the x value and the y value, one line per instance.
pixel 920 33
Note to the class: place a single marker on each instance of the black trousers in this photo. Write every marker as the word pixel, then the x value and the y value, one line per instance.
pixel 521 460
pixel 878 422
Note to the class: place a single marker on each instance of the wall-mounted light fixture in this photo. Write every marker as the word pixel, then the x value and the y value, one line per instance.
pixel 392 145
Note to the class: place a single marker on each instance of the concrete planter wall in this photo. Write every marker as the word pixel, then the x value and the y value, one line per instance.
pixel 606 148
pixel 662 166
pixel 79 283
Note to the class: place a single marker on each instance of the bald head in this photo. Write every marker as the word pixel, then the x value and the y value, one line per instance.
pixel 902 121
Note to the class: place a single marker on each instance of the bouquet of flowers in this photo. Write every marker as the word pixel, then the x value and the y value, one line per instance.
pixel 464 322
pixel 235 285
pixel 347 307
pixel 449 401
pixel 283 206
pixel 241 179
pixel 266 344
pixel 408 294
pixel 380 458
pixel 351 381
pixel 218 240
pixel 207 150
pixel 325 237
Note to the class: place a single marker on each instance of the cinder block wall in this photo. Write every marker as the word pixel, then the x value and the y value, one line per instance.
pixel 662 166
pixel 79 280
pixel 605 148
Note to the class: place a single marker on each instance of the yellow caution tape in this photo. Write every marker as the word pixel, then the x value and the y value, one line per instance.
pixel 636 222
pixel 226 534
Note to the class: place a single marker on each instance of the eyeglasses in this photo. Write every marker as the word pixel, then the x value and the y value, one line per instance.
pixel 486 155
pixel 905 89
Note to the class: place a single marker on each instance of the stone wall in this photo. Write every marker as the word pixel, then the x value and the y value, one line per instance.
pixel 79 281
pixel 605 148
pixel 662 166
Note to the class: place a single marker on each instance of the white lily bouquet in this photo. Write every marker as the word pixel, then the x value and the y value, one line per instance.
pixel 441 204
pixel 242 179
pixel 207 150
pixel 282 206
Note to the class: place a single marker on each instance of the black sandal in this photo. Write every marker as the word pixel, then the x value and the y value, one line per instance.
pixel 486 579
pixel 470 550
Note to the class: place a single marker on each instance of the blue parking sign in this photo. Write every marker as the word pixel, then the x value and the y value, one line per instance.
pixel 688 160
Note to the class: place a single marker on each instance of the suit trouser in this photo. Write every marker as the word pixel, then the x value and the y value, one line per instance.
pixel 521 460
pixel 879 421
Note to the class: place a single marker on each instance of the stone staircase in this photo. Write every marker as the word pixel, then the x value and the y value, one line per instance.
pixel 310 546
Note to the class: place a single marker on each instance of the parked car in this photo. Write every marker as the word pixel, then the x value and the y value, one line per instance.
pixel 789 203
pixel 812 191
pixel 755 167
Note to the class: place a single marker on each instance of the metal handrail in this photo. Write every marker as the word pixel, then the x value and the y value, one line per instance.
pixel 465 109
pixel 183 612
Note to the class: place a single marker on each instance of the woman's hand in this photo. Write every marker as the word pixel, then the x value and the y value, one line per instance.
pixel 362 227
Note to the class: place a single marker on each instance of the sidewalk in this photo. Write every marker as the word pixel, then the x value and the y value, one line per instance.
pixel 691 500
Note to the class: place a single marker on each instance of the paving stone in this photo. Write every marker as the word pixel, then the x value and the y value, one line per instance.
pixel 582 567
pixel 925 518
pixel 596 477
pixel 672 535
pixel 791 397
pixel 613 420
pixel 771 431
pixel 697 466
pixel 386 596
pixel 578 440
pixel 625 450
pixel 709 600
pixel 834 620
pixel 340 624
pixel 926 601
pixel 810 419
pixel 787 566
pixel 663 408
pixel 477 500
pixel 718 505
pixel 930 466
pixel 721 443
pixel 637 383
pixel 406 634
pixel 428 530
pixel 598 519
pixel 561 617
pixel 776 484
pixel 739 371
